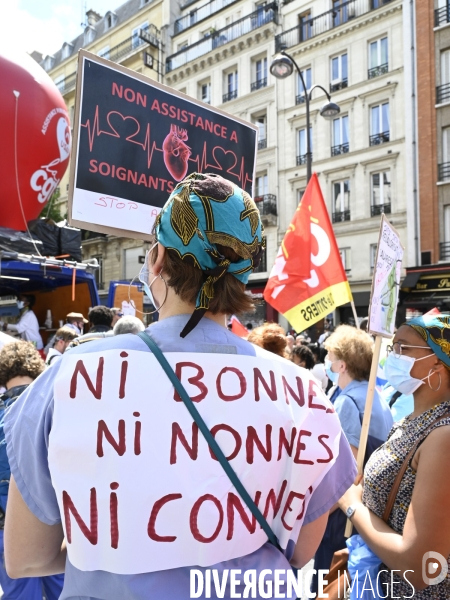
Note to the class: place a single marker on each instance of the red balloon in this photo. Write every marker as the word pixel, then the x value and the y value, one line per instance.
pixel 34 139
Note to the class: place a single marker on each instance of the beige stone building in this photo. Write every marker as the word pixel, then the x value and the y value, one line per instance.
pixel 220 51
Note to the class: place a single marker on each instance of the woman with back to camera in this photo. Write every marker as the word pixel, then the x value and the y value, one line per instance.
pixel 418 522
pixel 165 504
pixel 348 364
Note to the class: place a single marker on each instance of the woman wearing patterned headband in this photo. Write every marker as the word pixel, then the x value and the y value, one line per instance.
pixel 418 363
pixel 144 504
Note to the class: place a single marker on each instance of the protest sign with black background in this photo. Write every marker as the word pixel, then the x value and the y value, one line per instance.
pixel 135 139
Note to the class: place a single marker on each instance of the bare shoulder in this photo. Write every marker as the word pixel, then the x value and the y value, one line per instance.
pixel 434 450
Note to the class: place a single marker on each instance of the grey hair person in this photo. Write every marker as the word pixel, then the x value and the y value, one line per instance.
pixel 128 324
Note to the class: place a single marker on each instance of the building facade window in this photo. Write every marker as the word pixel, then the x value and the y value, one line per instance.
pixel 89 34
pixel 262 185
pixel 260 74
pixel 131 262
pixel 261 122
pixel 378 57
pixel 339 72
pixel 205 92
pixel 345 254
pixel 341 201
pixel 300 195
pixel 305 26
pixel 66 50
pixel 231 86
pixel 443 90
pixel 301 145
pixel 307 76
pixel 379 124
pixel 373 256
pixel 381 193
pixel 340 136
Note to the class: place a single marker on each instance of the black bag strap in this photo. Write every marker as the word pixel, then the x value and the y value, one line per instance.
pixel 209 438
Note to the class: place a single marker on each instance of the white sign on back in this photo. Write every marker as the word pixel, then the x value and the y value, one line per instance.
pixel 137 485
pixel 386 281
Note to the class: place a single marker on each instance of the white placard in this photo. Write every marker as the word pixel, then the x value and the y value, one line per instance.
pixel 386 281
pixel 128 308
pixel 137 487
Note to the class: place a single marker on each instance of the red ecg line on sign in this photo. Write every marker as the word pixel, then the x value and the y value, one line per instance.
pixel 150 147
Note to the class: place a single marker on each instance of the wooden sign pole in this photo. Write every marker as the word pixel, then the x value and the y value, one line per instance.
pixel 367 414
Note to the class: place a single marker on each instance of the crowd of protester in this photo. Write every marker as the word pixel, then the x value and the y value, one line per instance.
pixel 407 445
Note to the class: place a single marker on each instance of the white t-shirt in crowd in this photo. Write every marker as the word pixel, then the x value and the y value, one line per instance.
pixel 28 327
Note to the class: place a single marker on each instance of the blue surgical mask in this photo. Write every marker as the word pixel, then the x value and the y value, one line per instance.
pixel 332 376
pixel 397 369
pixel 20 304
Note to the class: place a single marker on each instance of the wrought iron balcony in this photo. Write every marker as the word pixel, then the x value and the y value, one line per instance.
pixel 262 144
pixel 379 138
pixel 67 84
pixel 267 204
pixel 443 93
pixel 340 149
pixel 442 15
pixel 198 14
pixel 340 85
pixel 300 99
pixel 338 15
pixel 444 171
pixel 258 84
pixel 379 209
pixel 377 71
pixel 262 267
pixel 230 96
pixel 343 215
pixel 264 15
pixel 302 158
pixel 444 251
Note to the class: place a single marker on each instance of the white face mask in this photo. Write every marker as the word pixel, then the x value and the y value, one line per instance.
pixel 144 277
pixel 20 304
pixel 397 370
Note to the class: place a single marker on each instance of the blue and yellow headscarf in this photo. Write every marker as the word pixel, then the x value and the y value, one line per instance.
pixel 435 331
pixel 205 210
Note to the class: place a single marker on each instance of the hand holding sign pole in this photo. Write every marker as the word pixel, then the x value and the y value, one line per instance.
pixel 382 311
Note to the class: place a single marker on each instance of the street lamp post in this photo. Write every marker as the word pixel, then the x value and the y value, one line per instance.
pixel 283 66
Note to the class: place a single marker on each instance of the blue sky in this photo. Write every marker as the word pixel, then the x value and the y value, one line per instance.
pixel 44 25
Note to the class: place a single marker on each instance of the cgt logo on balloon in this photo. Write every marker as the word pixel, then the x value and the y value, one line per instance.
pixel 45 179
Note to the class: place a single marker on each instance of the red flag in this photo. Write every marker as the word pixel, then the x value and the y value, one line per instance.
pixel 237 328
pixel 433 311
pixel 308 280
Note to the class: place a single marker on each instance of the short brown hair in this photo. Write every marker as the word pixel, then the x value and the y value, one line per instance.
pixel 186 280
pixel 271 337
pixel 67 334
pixel 354 347
pixel 19 359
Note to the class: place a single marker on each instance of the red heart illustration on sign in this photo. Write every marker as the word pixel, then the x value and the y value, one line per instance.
pixel 227 162
pixel 131 128
pixel 176 152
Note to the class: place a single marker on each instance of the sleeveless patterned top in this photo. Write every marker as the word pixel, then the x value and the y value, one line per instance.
pixel 379 476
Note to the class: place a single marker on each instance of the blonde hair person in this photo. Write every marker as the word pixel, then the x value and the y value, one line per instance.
pixel 347 364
